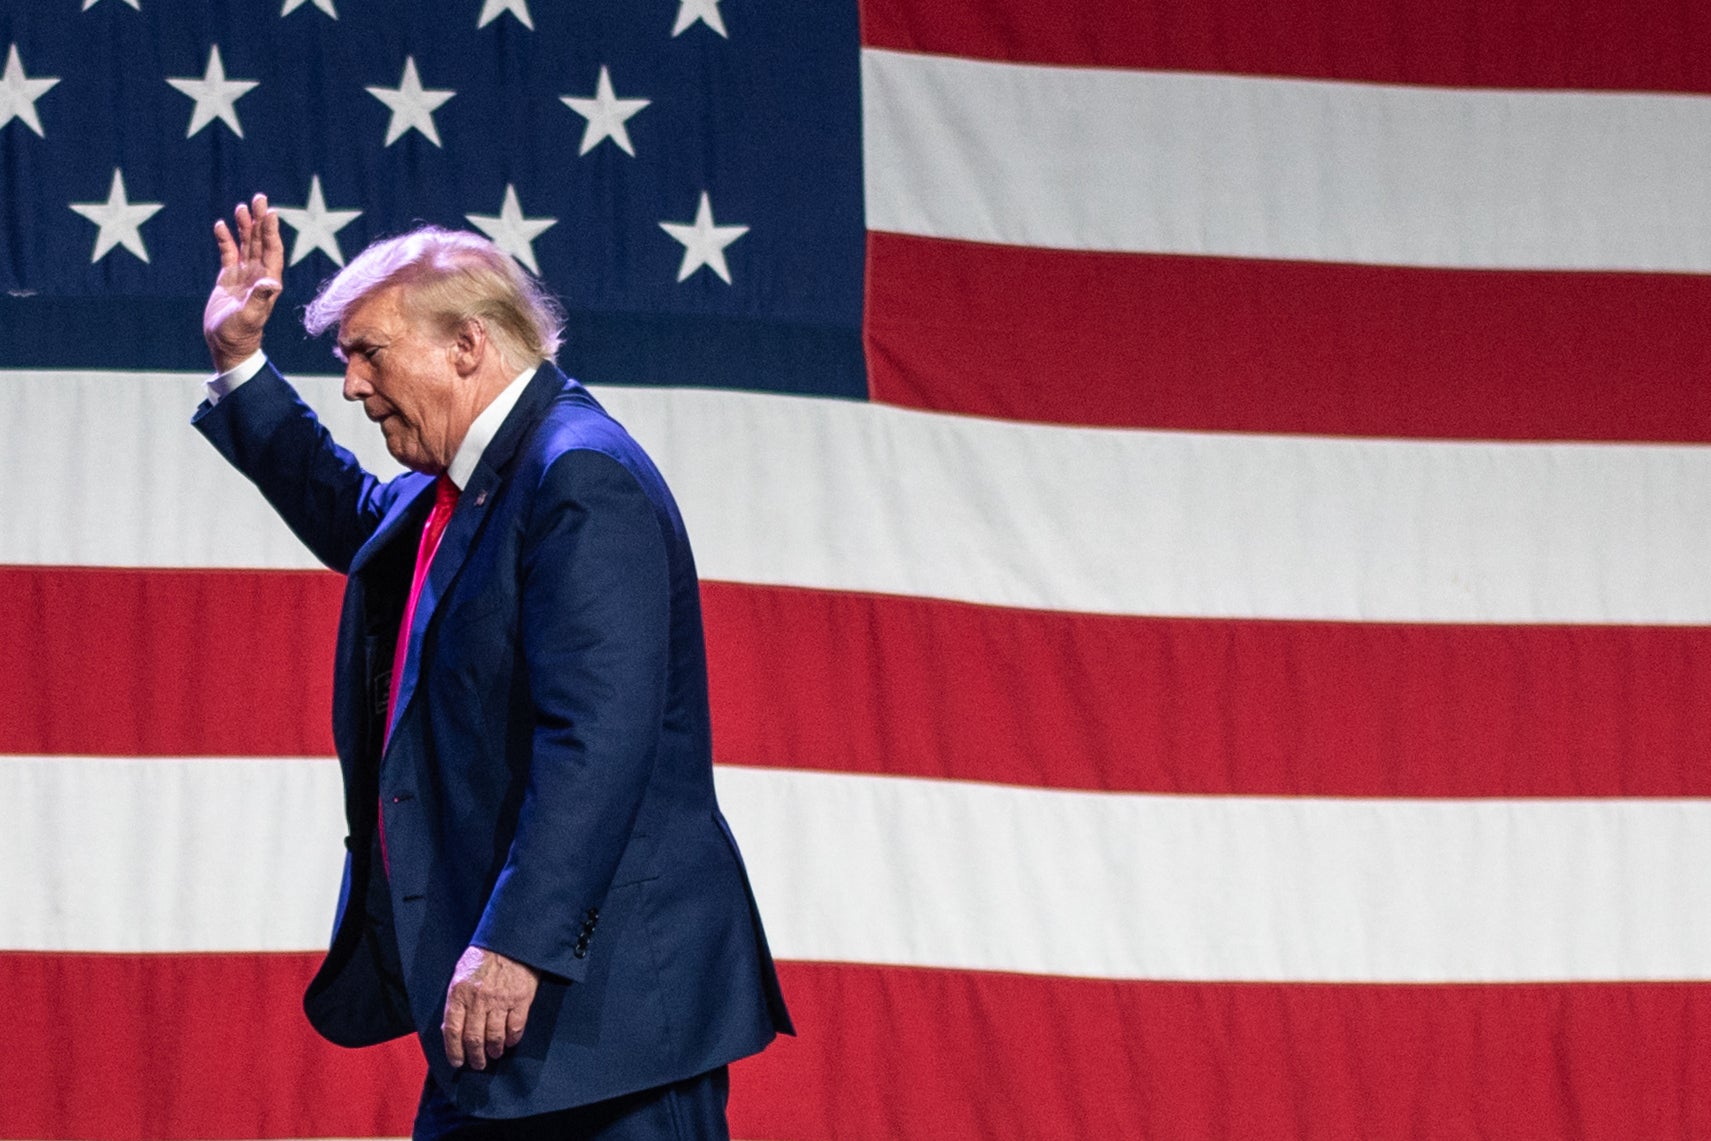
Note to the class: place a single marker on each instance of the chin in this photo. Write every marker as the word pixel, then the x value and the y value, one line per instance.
pixel 408 459
pixel 398 447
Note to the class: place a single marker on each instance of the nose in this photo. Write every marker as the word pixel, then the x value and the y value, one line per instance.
pixel 357 386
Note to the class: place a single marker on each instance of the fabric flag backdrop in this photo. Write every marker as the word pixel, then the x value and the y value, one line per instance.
pixel 1204 512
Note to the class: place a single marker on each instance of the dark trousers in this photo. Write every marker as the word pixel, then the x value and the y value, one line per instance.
pixel 689 1110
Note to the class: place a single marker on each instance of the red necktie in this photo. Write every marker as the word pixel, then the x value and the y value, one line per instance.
pixel 445 499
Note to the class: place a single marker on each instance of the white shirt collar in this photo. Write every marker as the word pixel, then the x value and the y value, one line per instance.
pixel 485 427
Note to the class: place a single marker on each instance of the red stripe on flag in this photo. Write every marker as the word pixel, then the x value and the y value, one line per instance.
pixel 107 662
pixel 889 1053
pixel 1642 45
pixel 187 1046
pixel 918 687
pixel 1228 344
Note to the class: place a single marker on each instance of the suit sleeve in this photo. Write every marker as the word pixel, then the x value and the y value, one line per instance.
pixel 596 618
pixel 266 431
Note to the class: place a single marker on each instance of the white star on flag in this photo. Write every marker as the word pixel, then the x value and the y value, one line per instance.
pixel 216 96
pixel 491 10
pixel 119 220
pixel 605 113
pixel 512 232
pixel 324 5
pixel 706 11
pixel 137 4
pixel 317 227
pixel 412 105
pixel 703 242
pixel 18 93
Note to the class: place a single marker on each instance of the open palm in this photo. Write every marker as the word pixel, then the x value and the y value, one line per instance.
pixel 251 266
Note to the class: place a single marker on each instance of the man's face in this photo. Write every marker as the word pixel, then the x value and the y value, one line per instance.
pixel 405 374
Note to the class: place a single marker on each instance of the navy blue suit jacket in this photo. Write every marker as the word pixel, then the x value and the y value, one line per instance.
pixel 548 786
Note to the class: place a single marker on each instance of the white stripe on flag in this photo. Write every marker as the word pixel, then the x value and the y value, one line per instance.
pixel 940 874
pixel 848 496
pixel 1083 158
pixel 169 854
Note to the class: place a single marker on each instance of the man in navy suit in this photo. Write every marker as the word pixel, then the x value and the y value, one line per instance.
pixel 539 882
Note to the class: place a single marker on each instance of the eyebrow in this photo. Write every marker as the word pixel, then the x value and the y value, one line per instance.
pixel 360 343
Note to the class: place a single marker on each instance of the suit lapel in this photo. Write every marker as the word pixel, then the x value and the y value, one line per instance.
pixel 403 509
pixel 469 515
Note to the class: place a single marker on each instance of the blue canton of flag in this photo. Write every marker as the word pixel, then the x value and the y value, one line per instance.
pixel 684 174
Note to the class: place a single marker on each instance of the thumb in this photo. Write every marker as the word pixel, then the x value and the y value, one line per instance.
pixel 261 297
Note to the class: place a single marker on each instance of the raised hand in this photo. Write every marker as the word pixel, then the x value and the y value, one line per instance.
pixel 251 266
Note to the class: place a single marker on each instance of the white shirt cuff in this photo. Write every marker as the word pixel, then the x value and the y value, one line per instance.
pixel 223 385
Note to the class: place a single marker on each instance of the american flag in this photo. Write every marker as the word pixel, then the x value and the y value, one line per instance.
pixel 1204 515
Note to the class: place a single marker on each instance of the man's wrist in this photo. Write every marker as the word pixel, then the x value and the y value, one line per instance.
pixel 223 385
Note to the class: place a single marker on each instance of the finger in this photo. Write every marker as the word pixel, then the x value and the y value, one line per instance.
pixel 272 246
pixel 242 215
pixel 451 1029
pixel 472 1037
pixel 258 224
pixel 228 248
pixel 475 1040
pixel 515 1020
pixel 495 1033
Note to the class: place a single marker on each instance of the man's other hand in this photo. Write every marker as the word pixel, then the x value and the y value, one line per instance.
pixel 487 1006
pixel 251 268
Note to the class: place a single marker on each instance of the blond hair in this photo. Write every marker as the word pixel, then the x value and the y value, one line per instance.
pixel 449 277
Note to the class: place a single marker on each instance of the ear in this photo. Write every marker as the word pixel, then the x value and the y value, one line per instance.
pixel 470 346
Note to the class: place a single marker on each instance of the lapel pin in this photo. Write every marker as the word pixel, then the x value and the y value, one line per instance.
pixel 480 498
